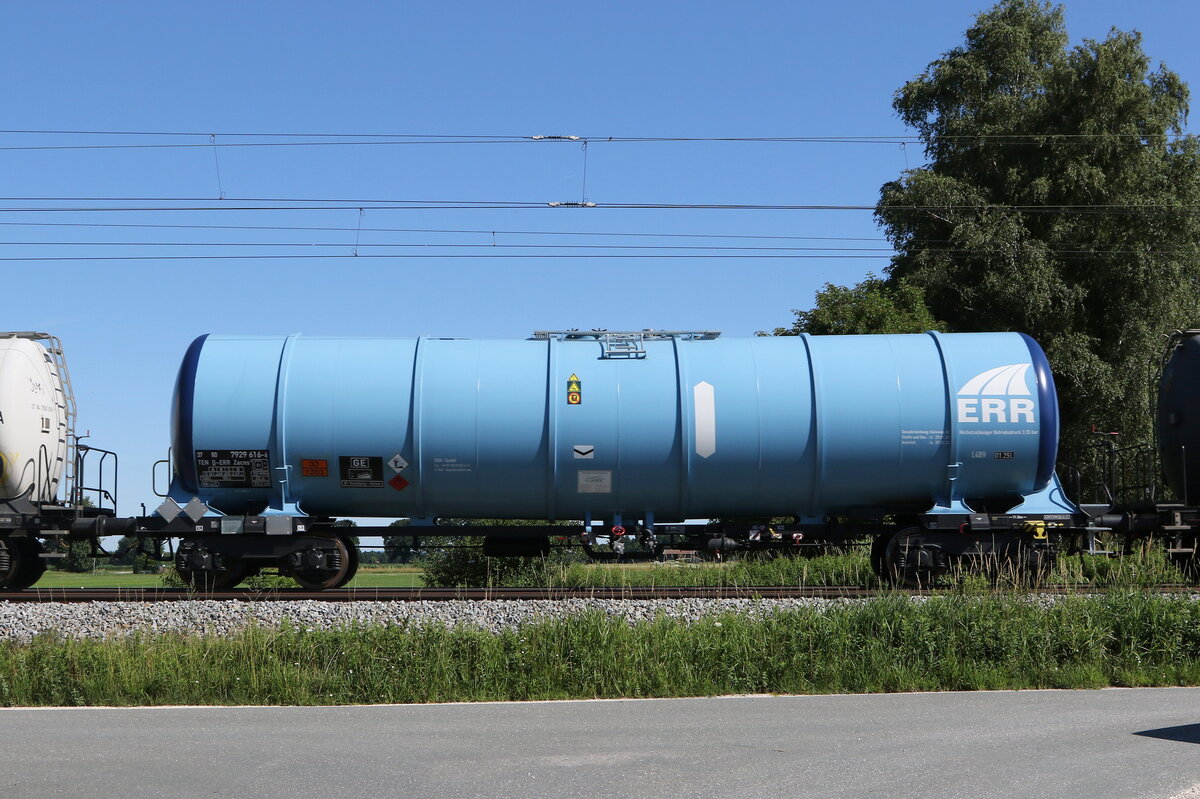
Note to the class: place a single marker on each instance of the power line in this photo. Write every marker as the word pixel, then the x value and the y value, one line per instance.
pixel 490 232
pixel 429 245
pixel 247 144
pixel 407 256
pixel 640 247
pixel 393 205
pixel 268 135
pixel 487 252
pixel 479 231
pixel 431 138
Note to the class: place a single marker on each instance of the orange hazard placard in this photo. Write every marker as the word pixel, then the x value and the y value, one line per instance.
pixel 314 467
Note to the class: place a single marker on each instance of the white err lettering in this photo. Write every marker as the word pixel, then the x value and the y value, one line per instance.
pixel 993 410
pixel 1021 410
pixel 999 411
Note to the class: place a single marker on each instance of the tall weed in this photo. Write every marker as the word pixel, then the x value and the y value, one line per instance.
pixel 950 642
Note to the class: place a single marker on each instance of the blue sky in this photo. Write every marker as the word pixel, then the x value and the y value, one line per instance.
pixel 621 69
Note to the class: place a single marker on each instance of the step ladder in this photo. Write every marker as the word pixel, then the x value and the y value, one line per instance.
pixel 623 345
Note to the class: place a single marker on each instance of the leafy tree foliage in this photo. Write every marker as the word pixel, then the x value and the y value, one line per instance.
pixel 872 306
pixel 78 558
pixel 399 548
pixel 1059 199
pixel 128 553
pixel 347 523
pixel 458 561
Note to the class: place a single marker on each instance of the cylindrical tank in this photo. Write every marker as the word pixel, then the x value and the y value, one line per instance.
pixel 1178 416
pixel 646 425
pixel 33 420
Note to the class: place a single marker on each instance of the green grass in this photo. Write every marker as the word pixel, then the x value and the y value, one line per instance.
pixel 889 644
pixel 841 569
pixel 1148 566
pixel 367 577
pixel 97 579
pixel 387 577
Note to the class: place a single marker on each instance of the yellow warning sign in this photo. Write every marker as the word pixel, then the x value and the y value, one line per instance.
pixel 574 390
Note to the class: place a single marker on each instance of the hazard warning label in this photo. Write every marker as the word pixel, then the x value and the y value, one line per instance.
pixel 574 390
pixel 314 467
pixel 361 472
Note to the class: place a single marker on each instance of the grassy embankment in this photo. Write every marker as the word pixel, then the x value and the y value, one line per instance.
pixel 1146 568
pixel 957 641
pixel 367 577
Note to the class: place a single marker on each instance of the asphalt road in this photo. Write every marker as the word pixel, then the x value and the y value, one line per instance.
pixel 1113 743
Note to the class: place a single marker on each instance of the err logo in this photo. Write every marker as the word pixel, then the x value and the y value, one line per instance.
pixel 995 396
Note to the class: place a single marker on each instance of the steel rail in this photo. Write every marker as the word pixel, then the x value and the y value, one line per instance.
pixel 511 594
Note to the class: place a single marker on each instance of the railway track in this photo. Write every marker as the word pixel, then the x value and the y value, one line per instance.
pixel 479 594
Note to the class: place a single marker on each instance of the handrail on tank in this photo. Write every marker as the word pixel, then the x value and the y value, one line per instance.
pixel 687 335
pixel 101 492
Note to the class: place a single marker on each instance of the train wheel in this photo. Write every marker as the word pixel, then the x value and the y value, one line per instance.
pixel 205 580
pixel 10 562
pixel 236 571
pixel 198 568
pixel 326 566
pixel 31 566
pixel 908 562
pixel 352 551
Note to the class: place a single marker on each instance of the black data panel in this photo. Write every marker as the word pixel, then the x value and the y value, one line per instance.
pixel 362 471
pixel 233 468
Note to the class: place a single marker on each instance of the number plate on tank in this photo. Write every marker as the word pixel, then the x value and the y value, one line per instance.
pixel 233 468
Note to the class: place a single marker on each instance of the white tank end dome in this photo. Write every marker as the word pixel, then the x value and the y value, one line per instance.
pixel 33 419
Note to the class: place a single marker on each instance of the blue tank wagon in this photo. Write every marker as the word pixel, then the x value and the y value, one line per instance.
pixel 942 443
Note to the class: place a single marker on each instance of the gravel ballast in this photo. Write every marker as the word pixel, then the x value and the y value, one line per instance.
pixel 22 621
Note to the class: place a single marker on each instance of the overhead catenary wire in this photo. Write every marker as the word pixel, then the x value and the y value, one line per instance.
pixel 653 248
pixel 386 139
pixel 488 232
pixel 480 231
pixel 259 257
pixel 444 250
pixel 338 204
pixel 487 253
pixel 434 245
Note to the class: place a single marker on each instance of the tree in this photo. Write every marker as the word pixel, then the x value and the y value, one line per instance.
pixel 347 523
pixel 457 561
pixel 78 557
pixel 129 553
pixel 1059 199
pixel 399 548
pixel 872 306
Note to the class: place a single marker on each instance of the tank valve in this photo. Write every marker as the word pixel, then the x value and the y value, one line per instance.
pixel 618 531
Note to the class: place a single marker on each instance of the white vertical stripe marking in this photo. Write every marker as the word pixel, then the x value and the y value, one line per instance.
pixel 705 405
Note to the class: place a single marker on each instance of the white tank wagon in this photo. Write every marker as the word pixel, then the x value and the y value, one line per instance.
pixel 36 417
pixel 37 458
